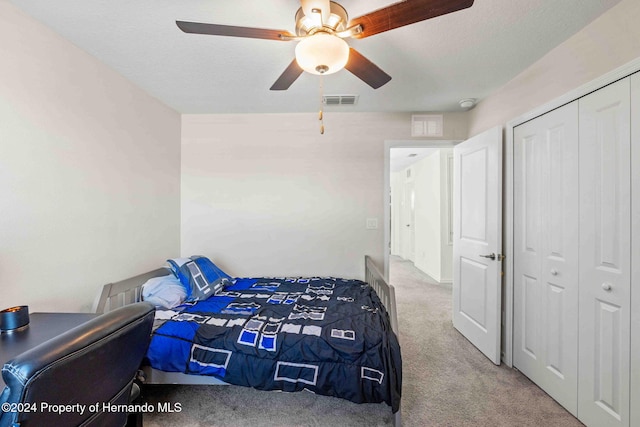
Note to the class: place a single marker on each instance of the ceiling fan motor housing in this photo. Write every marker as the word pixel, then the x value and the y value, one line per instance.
pixel 308 24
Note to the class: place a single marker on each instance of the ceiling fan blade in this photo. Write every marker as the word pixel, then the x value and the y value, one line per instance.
pixel 366 70
pixel 287 78
pixel 405 13
pixel 230 30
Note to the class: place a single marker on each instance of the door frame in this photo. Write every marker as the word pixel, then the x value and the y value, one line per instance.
pixel 508 235
pixel 386 190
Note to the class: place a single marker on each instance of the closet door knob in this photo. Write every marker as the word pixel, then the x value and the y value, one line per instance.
pixel 554 272
pixel 607 286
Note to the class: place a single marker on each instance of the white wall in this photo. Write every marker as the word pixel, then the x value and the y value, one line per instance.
pixel 427 223
pixel 268 195
pixel 446 214
pixel 610 41
pixel 89 172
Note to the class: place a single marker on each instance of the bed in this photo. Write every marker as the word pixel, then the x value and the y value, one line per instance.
pixel 331 336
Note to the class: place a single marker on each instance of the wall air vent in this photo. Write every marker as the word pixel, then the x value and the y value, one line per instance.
pixel 426 125
pixel 340 99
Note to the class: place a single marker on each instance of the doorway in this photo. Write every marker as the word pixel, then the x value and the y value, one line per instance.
pixel 419 207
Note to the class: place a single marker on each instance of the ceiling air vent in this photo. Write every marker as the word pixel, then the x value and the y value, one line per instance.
pixel 340 99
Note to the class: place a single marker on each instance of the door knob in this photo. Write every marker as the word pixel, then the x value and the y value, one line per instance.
pixel 607 286
pixel 490 256
pixel 554 272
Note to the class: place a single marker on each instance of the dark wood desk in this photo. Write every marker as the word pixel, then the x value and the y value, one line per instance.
pixel 42 327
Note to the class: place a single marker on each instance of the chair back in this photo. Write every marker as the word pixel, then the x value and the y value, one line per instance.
pixel 92 364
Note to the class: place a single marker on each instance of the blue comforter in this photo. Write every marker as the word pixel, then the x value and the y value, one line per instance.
pixel 327 335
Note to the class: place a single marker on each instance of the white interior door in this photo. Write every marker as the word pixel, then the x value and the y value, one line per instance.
pixel 545 254
pixel 605 256
pixel 408 219
pixel 477 240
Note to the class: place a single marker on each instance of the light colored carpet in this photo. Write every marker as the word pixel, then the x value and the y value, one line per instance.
pixel 446 382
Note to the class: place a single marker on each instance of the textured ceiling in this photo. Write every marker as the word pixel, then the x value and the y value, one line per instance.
pixel 433 64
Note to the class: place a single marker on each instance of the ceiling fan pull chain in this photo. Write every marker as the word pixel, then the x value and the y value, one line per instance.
pixel 321 115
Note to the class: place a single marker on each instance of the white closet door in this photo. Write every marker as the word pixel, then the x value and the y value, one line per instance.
pixel 635 250
pixel 605 256
pixel 546 249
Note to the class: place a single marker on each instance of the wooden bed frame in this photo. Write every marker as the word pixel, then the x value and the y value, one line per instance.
pixel 129 291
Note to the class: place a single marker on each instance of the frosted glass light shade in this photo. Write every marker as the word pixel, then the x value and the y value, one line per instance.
pixel 322 53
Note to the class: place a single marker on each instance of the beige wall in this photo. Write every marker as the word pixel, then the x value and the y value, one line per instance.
pixel 268 195
pixel 89 172
pixel 610 41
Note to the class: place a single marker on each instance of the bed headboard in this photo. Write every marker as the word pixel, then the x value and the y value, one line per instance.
pixel 128 291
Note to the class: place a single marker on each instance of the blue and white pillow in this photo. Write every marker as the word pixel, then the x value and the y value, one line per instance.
pixel 200 277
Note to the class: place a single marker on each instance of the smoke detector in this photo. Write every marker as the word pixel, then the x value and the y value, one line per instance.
pixel 467 103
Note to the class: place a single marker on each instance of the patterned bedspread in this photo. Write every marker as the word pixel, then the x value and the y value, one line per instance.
pixel 326 335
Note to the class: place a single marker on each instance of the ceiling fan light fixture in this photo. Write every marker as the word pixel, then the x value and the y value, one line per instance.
pixel 322 53
pixel 334 20
pixel 320 8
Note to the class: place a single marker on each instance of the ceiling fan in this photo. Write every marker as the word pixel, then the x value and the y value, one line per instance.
pixel 322 26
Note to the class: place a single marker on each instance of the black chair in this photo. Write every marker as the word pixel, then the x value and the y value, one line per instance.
pixel 94 363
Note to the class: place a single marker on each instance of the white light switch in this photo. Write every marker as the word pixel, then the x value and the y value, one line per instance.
pixel 372 223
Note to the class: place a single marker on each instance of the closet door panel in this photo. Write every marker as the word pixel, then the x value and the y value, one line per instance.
pixel 560 268
pixel 527 310
pixel 605 255
pixel 546 252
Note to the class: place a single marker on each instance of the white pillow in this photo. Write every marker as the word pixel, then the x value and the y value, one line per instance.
pixel 164 292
